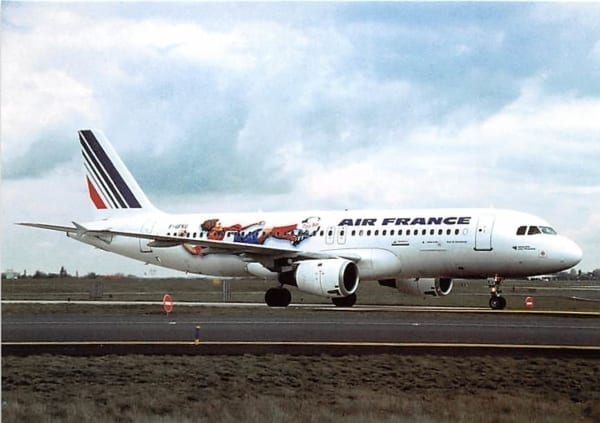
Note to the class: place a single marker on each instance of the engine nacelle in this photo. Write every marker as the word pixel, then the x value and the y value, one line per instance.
pixel 437 287
pixel 332 278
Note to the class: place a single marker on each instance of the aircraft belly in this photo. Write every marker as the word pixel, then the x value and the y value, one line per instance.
pixel 176 257
pixel 217 264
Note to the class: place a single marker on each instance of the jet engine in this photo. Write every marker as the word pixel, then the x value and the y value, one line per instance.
pixel 332 278
pixel 437 287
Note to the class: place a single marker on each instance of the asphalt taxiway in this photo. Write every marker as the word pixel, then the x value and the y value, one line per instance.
pixel 273 329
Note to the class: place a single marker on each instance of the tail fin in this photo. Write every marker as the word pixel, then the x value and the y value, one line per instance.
pixel 109 182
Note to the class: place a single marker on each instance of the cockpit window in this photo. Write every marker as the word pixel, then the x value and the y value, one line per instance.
pixel 548 230
pixel 535 230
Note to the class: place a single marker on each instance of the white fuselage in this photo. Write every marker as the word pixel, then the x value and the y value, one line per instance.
pixel 453 243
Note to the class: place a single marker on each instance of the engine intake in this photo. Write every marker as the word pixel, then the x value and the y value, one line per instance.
pixel 332 278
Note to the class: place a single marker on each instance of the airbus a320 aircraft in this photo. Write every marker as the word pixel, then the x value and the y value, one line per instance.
pixel 326 253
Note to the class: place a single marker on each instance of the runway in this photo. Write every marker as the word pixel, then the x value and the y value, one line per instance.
pixel 304 328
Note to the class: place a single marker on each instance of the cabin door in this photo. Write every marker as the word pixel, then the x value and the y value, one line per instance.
pixel 483 233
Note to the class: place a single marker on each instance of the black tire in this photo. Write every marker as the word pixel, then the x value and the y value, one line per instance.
pixel 278 297
pixel 348 301
pixel 285 297
pixel 497 302
pixel 502 303
pixel 271 297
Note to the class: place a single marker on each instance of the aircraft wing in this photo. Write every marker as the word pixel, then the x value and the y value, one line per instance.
pixel 212 246
pixel 163 241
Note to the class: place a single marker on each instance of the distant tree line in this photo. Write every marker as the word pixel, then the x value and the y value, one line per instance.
pixel 571 275
pixel 62 273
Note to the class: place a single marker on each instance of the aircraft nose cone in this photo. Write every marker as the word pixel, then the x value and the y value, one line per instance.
pixel 572 254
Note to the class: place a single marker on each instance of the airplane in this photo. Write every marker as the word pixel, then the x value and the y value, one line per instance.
pixel 326 253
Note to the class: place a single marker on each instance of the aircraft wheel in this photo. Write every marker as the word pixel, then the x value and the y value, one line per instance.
pixel 502 303
pixel 497 302
pixel 278 297
pixel 286 297
pixel 348 301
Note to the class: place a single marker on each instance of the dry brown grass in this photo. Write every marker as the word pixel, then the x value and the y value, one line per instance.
pixel 378 388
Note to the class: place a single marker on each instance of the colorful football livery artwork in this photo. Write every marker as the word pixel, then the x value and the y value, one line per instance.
pixel 254 233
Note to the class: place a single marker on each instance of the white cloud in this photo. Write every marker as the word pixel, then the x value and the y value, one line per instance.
pixel 289 115
pixel 34 102
pixel 574 16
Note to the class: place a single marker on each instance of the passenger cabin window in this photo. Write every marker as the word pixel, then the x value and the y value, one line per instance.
pixel 522 230
pixel 533 230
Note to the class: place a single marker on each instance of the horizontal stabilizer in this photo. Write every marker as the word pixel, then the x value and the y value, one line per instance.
pixel 59 228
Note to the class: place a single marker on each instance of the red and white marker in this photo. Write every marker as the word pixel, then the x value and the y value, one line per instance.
pixel 167 303
pixel 529 302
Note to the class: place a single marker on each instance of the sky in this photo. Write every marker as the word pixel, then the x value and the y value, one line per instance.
pixel 295 106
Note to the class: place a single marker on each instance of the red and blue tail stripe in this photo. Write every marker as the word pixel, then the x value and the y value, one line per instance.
pixel 110 184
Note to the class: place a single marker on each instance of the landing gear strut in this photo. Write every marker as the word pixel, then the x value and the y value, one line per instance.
pixel 278 297
pixel 497 302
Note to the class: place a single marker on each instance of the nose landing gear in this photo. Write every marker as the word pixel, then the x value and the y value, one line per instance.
pixel 497 302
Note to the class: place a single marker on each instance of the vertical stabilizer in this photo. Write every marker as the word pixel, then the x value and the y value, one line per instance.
pixel 109 182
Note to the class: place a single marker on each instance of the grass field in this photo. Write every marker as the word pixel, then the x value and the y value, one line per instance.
pixel 274 388
pixel 378 388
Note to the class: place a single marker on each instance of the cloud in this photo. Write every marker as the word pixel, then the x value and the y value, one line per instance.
pixel 273 107
pixel 39 102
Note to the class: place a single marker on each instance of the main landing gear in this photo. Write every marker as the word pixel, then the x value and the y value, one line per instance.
pixel 278 297
pixel 281 297
pixel 497 302
pixel 348 301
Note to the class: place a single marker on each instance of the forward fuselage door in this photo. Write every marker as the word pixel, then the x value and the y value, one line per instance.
pixel 483 233
pixel 146 229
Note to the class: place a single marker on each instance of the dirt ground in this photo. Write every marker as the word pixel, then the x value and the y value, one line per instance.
pixel 377 388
